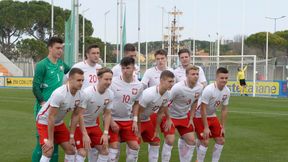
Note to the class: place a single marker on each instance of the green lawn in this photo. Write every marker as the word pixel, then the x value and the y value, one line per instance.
pixel 257 129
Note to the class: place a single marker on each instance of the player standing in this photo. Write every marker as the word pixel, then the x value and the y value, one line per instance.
pixel 184 97
pixel 206 122
pixel 153 99
pixel 98 100
pixel 50 124
pixel 127 91
pixel 48 76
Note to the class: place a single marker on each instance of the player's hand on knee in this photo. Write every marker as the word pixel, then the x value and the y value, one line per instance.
pixel 104 141
pixel 191 123
pixel 72 142
pixel 86 142
pixel 48 145
pixel 206 133
pixel 222 131
pixel 135 127
pixel 168 124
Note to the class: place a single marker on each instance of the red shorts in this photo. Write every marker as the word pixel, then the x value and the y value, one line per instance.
pixel 153 118
pixel 125 132
pixel 214 126
pixel 148 131
pixel 94 133
pixel 61 133
pixel 180 124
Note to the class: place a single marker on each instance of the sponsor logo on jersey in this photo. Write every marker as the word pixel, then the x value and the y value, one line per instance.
pixel 61 68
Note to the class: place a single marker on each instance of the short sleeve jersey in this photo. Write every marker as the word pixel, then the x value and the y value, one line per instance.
pixel 117 71
pixel 213 97
pixel 182 98
pixel 95 103
pixel 63 101
pixel 125 95
pixel 49 76
pixel 151 76
pixel 90 73
pixel 151 101
pixel 180 74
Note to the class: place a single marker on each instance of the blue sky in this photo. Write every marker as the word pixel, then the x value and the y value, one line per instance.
pixel 200 17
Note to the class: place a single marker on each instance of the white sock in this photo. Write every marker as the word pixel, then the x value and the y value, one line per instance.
pixel 217 152
pixel 166 152
pixel 153 153
pixel 79 158
pixel 132 155
pixel 113 154
pixel 102 158
pixel 92 155
pixel 201 153
pixel 185 150
pixel 44 159
pixel 69 158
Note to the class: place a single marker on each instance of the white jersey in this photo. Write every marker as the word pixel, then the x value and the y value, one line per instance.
pixel 90 73
pixel 182 98
pixel 63 100
pixel 213 97
pixel 117 71
pixel 151 101
pixel 95 104
pixel 125 95
pixel 151 76
pixel 180 74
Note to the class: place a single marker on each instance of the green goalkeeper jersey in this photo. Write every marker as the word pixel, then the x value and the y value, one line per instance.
pixel 48 76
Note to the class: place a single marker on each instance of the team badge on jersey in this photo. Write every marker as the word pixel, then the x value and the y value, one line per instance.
pixel 134 91
pixel 61 68
pixel 196 95
pixel 224 97
pixel 106 101
pixel 77 102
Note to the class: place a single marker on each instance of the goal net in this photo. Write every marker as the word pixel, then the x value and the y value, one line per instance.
pixel 231 62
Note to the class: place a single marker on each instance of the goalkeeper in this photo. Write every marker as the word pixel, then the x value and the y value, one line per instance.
pixel 48 76
pixel 241 80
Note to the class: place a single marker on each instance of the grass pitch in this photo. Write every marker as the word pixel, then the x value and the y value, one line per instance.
pixel 257 130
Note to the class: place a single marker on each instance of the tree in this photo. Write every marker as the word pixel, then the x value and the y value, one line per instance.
pixel 14 20
pixel 32 48
pixel 258 40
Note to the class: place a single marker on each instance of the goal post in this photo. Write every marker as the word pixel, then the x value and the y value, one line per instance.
pixel 231 62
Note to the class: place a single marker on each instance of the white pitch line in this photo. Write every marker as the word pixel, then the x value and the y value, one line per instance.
pixel 263 113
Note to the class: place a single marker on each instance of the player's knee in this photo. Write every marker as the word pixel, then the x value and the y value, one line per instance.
pixel 81 152
pixel 48 153
pixel 104 151
pixel 134 146
pixel 190 140
pixel 169 140
pixel 69 151
pixel 205 143
pixel 220 141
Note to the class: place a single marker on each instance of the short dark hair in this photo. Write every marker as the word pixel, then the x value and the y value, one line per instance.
pixel 222 70
pixel 129 47
pixel 103 70
pixel 184 50
pixel 74 71
pixel 54 40
pixel 160 52
pixel 167 74
pixel 191 67
pixel 90 47
pixel 127 61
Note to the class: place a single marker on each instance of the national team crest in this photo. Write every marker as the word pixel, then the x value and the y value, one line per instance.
pixel 77 102
pixel 106 101
pixel 134 91
pixel 196 95
pixel 224 97
pixel 61 68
